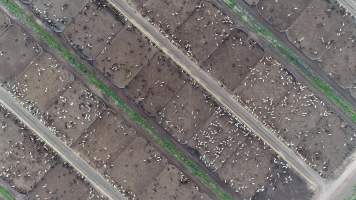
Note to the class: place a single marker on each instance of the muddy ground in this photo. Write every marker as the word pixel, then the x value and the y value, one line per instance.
pixel 203 31
pixel 24 159
pixel 57 13
pixel 63 182
pixel 42 81
pixel 74 111
pixel 297 115
pixel 168 15
pixel 137 165
pixel 324 21
pixel 157 83
pixel 186 112
pixel 128 53
pixel 171 183
pixel 339 62
pixel 17 50
pixel 92 30
pixel 233 60
pixel 104 140
pixel 197 27
pixel 281 14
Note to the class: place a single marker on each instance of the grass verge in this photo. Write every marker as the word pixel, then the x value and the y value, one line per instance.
pixel 165 143
pixel 5 194
pixel 353 195
pixel 294 59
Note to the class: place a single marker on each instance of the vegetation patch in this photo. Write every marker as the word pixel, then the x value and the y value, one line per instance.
pixel 5 194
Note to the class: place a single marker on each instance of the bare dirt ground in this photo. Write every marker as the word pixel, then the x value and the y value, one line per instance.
pixel 248 167
pixel 156 84
pixel 257 173
pixel 321 137
pixel 203 32
pixel 168 15
pixel 298 116
pixel 216 140
pixel 137 166
pixel 128 53
pixel 234 59
pixel 106 138
pixel 92 29
pixel 197 27
pixel 58 13
pixel 281 14
pixel 262 86
pixel 340 64
pixel 24 160
pixel 186 112
pixel 172 184
pixel 63 182
pixel 339 61
pixel 42 81
pixel 17 50
pixel 283 183
pixel 324 21
pixel 74 111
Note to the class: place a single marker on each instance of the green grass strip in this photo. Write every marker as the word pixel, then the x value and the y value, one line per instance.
pixel 165 143
pixel 5 194
pixel 294 59
pixel 353 195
